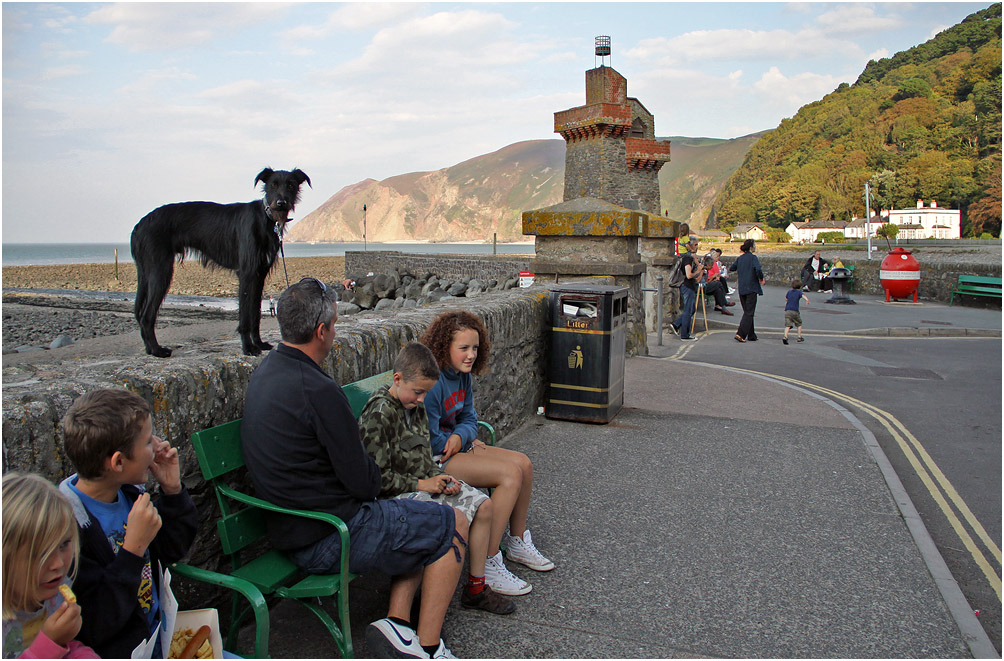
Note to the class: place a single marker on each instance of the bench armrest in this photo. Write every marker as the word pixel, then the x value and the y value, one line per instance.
pixel 245 588
pixel 343 530
pixel 491 431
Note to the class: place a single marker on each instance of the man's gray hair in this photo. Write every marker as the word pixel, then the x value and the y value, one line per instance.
pixel 302 307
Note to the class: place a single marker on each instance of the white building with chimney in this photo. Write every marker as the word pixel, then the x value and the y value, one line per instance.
pixel 927 222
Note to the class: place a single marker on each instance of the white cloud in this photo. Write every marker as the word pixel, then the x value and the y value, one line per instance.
pixel 55 73
pixel 160 26
pixel 855 18
pixel 881 53
pixel 741 44
pixel 794 92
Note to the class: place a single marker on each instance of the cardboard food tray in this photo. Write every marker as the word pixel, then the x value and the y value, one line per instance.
pixel 195 619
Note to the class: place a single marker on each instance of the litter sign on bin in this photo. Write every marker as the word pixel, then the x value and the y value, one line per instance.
pixel 525 279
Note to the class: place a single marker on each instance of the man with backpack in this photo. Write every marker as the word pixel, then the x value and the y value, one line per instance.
pixel 691 269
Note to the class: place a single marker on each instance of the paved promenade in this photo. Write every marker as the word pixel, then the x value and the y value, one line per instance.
pixel 678 532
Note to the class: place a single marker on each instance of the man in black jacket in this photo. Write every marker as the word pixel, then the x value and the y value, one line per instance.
pixel 302 450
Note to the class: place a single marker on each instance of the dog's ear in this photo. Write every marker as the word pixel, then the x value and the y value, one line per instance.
pixel 301 177
pixel 263 176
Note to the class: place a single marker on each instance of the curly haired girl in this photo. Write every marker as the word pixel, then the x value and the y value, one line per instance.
pixel 459 341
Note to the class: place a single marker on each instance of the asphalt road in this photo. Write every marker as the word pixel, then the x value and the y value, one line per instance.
pixel 945 393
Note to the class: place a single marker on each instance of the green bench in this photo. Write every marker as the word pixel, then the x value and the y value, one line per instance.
pixel 254 576
pixel 976 285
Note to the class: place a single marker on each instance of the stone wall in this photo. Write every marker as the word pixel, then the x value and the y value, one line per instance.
pixel 937 276
pixel 205 387
pixel 487 267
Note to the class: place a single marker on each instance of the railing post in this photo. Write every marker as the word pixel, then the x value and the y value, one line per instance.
pixel 658 309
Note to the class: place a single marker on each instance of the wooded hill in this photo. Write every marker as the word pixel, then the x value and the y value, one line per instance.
pixel 922 124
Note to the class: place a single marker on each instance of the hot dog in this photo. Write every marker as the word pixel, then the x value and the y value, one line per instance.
pixel 201 636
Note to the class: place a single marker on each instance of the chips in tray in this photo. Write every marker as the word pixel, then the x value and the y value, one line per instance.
pixel 180 640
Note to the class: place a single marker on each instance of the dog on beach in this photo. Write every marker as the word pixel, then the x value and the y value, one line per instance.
pixel 243 237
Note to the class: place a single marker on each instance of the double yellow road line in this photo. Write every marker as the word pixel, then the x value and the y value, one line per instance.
pixel 940 488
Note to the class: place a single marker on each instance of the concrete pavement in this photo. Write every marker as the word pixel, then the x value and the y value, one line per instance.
pixel 688 529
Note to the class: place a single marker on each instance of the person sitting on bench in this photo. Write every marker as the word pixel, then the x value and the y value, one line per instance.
pixel 715 286
pixel 814 272
pixel 302 450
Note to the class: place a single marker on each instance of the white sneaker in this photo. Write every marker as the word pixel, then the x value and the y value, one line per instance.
pixel 501 580
pixel 442 652
pixel 389 640
pixel 523 551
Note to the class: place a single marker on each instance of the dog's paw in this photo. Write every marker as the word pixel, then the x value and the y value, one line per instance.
pixel 159 352
pixel 264 346
pixel 250 350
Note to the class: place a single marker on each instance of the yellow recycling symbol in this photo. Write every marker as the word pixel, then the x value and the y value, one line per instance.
pixel 575 358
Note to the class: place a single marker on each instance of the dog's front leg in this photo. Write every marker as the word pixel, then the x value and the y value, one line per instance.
pixel 248 284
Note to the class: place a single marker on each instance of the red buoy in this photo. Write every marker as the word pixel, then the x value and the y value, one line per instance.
pixel 900 274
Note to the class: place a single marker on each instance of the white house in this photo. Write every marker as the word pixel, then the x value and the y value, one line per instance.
pixel 927 222
pixel 744 231
pixel 809 231
pixel 856 228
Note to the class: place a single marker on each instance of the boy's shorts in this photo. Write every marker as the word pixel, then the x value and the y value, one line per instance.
pixel 391 536
pixel 468 500
pixel 792 318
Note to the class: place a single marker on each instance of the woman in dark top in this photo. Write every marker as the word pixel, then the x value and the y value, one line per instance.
pixel 749 277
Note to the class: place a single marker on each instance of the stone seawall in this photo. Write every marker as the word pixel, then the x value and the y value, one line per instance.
pixel 204 385
pixel 485 267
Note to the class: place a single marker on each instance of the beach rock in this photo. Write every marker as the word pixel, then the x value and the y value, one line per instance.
pixel 457 289
pixel 26 348
pixel 414 290
pixel 384 304
pixel 348 308
pixel 62 340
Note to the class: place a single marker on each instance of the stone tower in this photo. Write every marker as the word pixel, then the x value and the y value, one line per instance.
pixel 611 151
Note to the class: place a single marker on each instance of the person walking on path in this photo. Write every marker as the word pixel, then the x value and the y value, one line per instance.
pixel 692 269
pixel 749 281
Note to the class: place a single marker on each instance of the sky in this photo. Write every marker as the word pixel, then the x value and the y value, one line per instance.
pixel 111 110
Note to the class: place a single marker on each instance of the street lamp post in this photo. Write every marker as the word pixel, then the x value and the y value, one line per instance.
pixel 868 218
pixel 364 227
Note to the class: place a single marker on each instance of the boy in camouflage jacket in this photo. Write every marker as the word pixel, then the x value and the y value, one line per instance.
pixel 395 430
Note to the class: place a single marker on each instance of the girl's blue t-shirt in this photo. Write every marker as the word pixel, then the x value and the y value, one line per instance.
pixel 793 297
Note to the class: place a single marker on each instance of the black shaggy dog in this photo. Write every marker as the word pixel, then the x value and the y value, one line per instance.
pixel 243 237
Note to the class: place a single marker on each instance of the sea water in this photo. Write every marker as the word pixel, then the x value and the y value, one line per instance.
pixel 21 254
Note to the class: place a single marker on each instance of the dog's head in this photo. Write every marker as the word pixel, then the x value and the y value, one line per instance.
pixel 282 191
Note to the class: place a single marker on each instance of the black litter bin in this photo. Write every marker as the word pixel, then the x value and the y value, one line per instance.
pixel 587 352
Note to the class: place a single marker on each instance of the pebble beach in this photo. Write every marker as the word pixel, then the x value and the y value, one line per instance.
pixel 190 278
pixel 48 317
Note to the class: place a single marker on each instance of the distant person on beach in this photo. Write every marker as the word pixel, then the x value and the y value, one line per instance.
pixel 792 317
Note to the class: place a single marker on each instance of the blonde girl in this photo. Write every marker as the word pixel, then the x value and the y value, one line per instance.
pixel 461 346
pixel 39 556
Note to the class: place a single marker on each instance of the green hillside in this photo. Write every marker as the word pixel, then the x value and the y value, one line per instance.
pixel 923 124
pixel 698 171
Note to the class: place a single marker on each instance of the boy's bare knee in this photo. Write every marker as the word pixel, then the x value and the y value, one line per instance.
pixel 462 524
pixel 486 509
